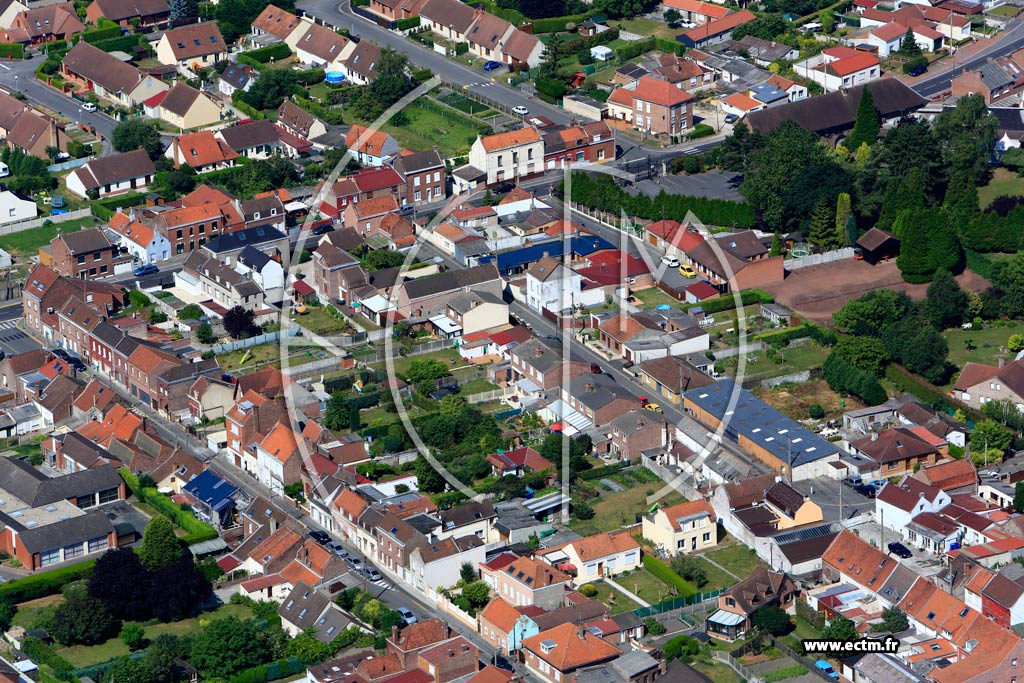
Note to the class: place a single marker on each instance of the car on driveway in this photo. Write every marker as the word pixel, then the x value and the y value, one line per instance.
pixel 866 490
pixel 687 271
pixel 900 550
pixel 825 668
pixel 337 548
pixel 407 616
pixel 491 65
pixel 731 118
pixel 320 537
pixel 147 269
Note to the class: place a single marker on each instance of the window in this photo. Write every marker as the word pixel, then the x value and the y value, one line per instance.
pixel 81 258
pixel 416 195
pixel 73 550
pixel 109 496
pixel 416 181
pixel 49 557
pixel 97 544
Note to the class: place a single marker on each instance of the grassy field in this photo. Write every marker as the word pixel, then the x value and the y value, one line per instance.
pixel 738 559
pixel 653 297
pixel 717 672
pixel 1008 11
pixel 617 601
pixel 616 510
pixel 477 386
pixel 446 356
pixel 27 242
pixel 648 27
pixel 467 105
pixel 717 578
pixel 985 344
pixel 452 134
pixel 82 655
pixel 317 319
pixel 1004 182
pixel 810 355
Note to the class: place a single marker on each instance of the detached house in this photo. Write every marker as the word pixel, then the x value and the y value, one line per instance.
pixel 539 362
pixel 255 140
pixel 49 23
pixel 449 19
pixel 553 656
pixel 683 528
pixel 185 107
pixel 898 450
pixel 322 47
pixel 274 23
pixel 978 384
pixel 297 121
pixel 736 607
pixel 109 77
pixel 125 12
pixel 371 147
pixel 203 151
pixel 143 242
pixel 590 558
pixel 113 174
pixel 653 106
pixel 196 45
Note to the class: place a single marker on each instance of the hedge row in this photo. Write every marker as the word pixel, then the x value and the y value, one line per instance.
pixel 263 55
pixel 555 24
pixel 311 76
pixel 244 107
pixel 927 393
pixel 422 75
pixel 601 472
pixel 270 672
pixel 122 43
pixel 782 337
pixel 666 45
pixel 12 50
pixel 727 302
pixel 329 116
pixel 663 572
pixel 98 34
pixel 44 584
pixel 41 653
pixel 408 23
pixel 197 531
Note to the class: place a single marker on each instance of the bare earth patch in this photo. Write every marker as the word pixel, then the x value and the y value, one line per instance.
pixel 817 292
pixel 793 400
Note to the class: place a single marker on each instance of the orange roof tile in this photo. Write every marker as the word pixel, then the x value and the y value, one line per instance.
pixel 657 91
pixel 276 545
pixel 743 102
pixel 856 559
pixel 574 647
pixel 501 614
pixel 296 572
pixel 696 507
pixel 203 148
pixel 365 140
pixel 512 138
pixel 280 442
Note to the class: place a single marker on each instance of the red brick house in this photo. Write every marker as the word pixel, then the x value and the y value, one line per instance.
pixel 85 255
pixel 450 659
pixel 365 184
pixel 425 177
pixel 591 142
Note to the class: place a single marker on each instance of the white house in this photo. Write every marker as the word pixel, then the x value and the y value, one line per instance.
pixel 433 566
pixel 550 285
pixel 897 504
pixel 143 242
pixel 277 459
pixel 267 273
pixel 603 554
pixel 15 207
pixel 115 174
pixel 508 156
pixel 840 67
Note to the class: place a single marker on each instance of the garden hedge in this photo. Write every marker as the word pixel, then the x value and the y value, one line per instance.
pixel 408 23
pixel 726 302
pixel 12 50
pixel 663 572
pixel 98 34
pixel 263 55
pixel 44 584
pixel 601 472
pixel 556 24
pixel 197 531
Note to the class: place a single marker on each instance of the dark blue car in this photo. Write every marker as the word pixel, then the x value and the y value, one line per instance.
pixel 147 269
pixel 918 70
pixel 491 65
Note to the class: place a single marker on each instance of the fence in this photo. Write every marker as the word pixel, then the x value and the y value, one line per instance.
pixel 818 259
pixel 312 368
pixel 751 347
pixel 68 165
pixel 379 356
pixel 39 222
pixel 485 396
pixel 266 338
pixel 734 664
pixel 677 603
pixel 675 478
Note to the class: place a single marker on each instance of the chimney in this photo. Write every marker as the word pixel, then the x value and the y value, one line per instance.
pixel 778 479
pixel 589 386
pixel 394 634
pixel 874 436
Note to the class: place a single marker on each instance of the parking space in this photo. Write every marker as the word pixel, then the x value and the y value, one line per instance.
pixel 922 563
pixel 713 185
pixel 826 493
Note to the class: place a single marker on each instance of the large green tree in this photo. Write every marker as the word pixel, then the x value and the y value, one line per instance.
pixel 272 88
pixel 390 84
pixel 229 645
pixel 908 46
pixel 160 547
pixel 874 312
pixel 135 133
pixel 966 135
pixel 842 629
pixel 946 303
pixel 868 122
pixel 82 620
pixel 821 232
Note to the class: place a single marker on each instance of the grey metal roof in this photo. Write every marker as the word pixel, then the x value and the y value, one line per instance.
pixel 783 437
pixel 64 532
pixel 34 488
pixel 994 76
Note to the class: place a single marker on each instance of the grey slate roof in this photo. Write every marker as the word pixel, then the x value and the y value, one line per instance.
pixel 34 488
pixel 62 532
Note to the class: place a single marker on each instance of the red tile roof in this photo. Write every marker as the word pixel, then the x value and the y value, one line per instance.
pixel 574 647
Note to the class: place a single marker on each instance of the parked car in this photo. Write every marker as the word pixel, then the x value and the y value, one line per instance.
pixel 687 271
pixel 439 393
pixel 373 575
pixel 503 188
pixel 147 269
pixel 322 229
pixel 337 548
pixel 731 118
pixel 900 550
pixel 853 481
pixel 670 261
pixel 76 363
pixel 521 110
pixel 88 106
pixel 355 563
pixel 320 537
pixel 62 354
pixel 825 668
pixel 866 490
pixel 653 407
pixel 407 616
pixel 491 65
pixel 406 210
pixel 918 70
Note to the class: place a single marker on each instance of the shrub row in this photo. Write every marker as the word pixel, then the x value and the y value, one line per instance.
pixel 197 531
pixel 98 34
pixel 634 49
pixel 329 116
pixel 408 23
pixel 282 668
pixel 554 24
pixel 41 653
pixel 311 77
pixel 663 572
pixel 12 50
pixel 46 583
pixel 244 107
pixel 263 55
pixel 667 45
pixel 782 337
pixel 601 472
pixel 122 43
pixel 727 303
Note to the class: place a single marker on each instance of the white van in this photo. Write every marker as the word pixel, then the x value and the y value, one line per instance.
pixel 4 170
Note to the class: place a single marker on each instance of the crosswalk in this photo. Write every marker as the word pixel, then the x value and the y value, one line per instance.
pixel 9 324
pixel 474 86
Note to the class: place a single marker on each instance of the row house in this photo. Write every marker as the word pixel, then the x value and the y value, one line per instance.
pixel 589 143
pixel 996 596
pixel 76 321
pixel 541 363
pixel 900 450
pixel 28 129
pixel 45 292
pixel 278 460
pixel 128 12
pixel 598 398
pixel 592 557
pixel 840 67
pixel 371 147
pixel 141 241
pixel 489 37
pixel 111 79
pixel 247 422
pixel 504 627
pixel 202 151
pixel 364 185
pixel 425 177
pixel 226 287
pixel 433 564
pixel 85 254
pixel 189 227
pixel 144 366
pixel 172 386
pixel 508 156
pixel 653 106
pixel 525 582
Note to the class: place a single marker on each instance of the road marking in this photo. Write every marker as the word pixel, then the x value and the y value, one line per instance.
pixel 5 66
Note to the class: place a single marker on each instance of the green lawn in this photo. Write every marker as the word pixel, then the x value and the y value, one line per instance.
pixel 1008 11
pixel 809 355
pixel 648 27
pixel 27 242
pixel 646 586
pixel 1004 182
pixel 985 343
pixel 737 558
pixel 402 363
pixel 616 510
pixel 263 353
pixel 617 601
pixel 717 579
pixel 317 319
pixel 452 134
pixel 717 672
pixel 467 105
pixel 82 655
pixel 653 297
pixel 477 386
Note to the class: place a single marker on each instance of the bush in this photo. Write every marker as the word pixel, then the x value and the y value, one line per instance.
pixel 781 337
pixel 196 531
pixel 133 636
pixel 654 627
pixel 701 130
pixel 816 411
pixel 12 50
pixel 97 34
pixel 406 24
pixel 791 671
pixel 588 590
pixel 663 572
pixel 263 55
pixel 47 583
pixel 681 647
pixel 422 75
pixel 726 303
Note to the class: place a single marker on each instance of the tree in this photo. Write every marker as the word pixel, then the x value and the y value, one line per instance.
pixel 427 478
pixel 121 583
pixel 239 322
pixel 990 435
pixel 966 135
pixel 739 149
pixel 128 670
pixel 868 122
pixel 582 510
pixel 204 333
pixel 895 620
pixel 828 22
pixel 822 230
pixel 874 312
pixel 773 620
pixel 961 199
pixel 135 133
pixel 81 620
pixel 379 259
pixel 229 645
pixel 866 353
pixel 308 648
pixel 689 568
pixel 425 370
pixel 908 46
pixel 841 629
pixel 919 347
pixel 272 88
pixel 160 547
pixel 671 15
pixel 1018 496
pixel 133 636
pixel 844 213
pixel 928 243
pixel 389 85
pixel 776 249
pixel 181 9
pixel 945 303
pixel 467 572
pixel 477 592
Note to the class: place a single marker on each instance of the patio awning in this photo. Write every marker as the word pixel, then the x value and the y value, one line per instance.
pixel 726 618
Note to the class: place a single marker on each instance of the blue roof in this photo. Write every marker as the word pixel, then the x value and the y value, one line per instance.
pixel 210 488
pixel 766 93
pixel 581 245
pixel 239 239
pixel 783 437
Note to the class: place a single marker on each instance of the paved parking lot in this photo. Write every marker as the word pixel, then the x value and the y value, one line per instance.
pixel 921 563
pixel 826 493
pixel 713 185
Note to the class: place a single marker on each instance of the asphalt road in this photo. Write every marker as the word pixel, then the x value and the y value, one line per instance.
pixel 19 76
pixel 1011 41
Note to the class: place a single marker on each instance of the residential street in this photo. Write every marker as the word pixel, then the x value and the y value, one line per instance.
pixel 1010 42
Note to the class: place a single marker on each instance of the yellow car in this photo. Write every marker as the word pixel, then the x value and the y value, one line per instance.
pixel 653 407
pixel 687 271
